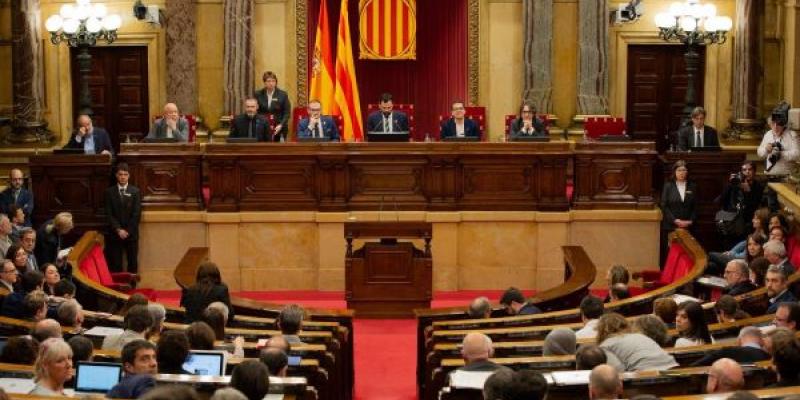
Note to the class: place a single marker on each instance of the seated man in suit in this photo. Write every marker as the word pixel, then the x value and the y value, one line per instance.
pixel 476 350
pixel 170 125
pixel 386 120
pixel 787 316
pixel 274 101
pixel 698 134
pixel 458 125
pixel 92 139
pixel 514 302
pixel 737 274
pixel 749 349
pixel 775 253
pixel 250 124
pixel 777 288
pixel 725 375
pixel 527 124
pixel 316 125
pixel 15 194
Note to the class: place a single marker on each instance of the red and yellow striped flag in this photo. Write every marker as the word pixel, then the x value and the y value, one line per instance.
pixel 322 87
pixel 346 101
pixel 388 29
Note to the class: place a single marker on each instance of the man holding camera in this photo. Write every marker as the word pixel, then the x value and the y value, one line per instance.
pixel 779 148
pixel 743 195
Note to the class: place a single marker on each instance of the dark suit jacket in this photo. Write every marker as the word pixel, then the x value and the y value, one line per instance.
pixel 673 208
pixel 195 303
pixel 485 365
pixel 159 130
pixel 329 128
pixel 132 387
pixel 280 108
pixel 741 288
pixel 47 244
pixel 516 128
pixel 399 122
pixel 686 137
pixel 24 200
pixel 787 296
pixel 101 141
pixel 13 306
pixel 529 309
pixel 123 212
pixel 240 127
pixel 449 129
pixel 740 354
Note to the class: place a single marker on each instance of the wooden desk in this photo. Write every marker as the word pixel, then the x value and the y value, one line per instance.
pixel 388 176
pixel 614 175
pixel 168 174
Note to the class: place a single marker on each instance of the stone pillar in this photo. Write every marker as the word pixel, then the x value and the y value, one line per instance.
pixel 592 57
pixel 27 74
pixel 791 75
pixel 180 16
pixel 238 55
pixel 537 18
pixel 747 71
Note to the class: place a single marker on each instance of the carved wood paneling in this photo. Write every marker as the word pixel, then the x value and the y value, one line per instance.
pixel 169 175
pixel 614 175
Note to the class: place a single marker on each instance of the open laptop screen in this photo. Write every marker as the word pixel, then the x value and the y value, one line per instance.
pixel 205 363
pixel 96 377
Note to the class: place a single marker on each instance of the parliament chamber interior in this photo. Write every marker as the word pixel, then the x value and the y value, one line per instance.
pixel 399 199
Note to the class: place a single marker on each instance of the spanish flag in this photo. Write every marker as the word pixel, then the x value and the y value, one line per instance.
pixel 346 101
pixel 322 68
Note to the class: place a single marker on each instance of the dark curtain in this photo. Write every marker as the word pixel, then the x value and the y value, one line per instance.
pixel 432 81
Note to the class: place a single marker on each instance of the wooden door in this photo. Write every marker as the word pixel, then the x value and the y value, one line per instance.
pixel 118 85
pixel 657 83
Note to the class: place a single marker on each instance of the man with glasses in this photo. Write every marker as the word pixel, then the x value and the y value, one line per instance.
pixel 16 194
pixel 458 126
pixel 27 238
pixel 738 277
pixel 316 125
pixel 787 316
pixel 8 275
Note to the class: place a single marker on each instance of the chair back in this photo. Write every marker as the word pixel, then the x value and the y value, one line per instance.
pixel 191 120
pixel 595 127
pixel 87 265
pixel 678 264
pixel 477 114
pixel 408 109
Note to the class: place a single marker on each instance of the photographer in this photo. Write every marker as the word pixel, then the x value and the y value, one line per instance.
pixel 779 148
pixel 743 195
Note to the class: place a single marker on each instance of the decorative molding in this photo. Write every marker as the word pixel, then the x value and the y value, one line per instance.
pixel 301 38
pixel 473 49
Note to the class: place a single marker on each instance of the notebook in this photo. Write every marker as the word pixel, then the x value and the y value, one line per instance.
pixel 96 377
pixel 205 362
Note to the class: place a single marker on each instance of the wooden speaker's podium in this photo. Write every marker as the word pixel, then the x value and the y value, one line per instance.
pixel 386 278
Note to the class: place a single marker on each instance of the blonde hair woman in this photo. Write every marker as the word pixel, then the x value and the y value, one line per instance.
pixel 629 350
pixel 50 238
pixel 52 368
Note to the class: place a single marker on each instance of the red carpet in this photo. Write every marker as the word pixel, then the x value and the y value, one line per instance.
pixel 385 349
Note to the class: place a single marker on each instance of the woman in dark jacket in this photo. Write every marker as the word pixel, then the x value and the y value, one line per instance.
pixel 677 202
pixel 207 289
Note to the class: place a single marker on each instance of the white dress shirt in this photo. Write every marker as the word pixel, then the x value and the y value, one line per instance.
pixel 789 154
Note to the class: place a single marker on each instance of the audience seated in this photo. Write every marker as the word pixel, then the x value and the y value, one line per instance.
pixel 725 375
pixel 159 314
pixel 787 316
pixel 628 350
pixel 64 289
pixel 276 360
pixel 18 256
pixel 13 303
pixel 691 324
pixel 290 321
pixel 227 393
pixel 251 377
pixel 737 274
pixel 786 359
pixel 34 306
pixel 559 342
pixel 749 349
pixel 51 278
pixel 476 350
pixel 20 350
pixel 171 352
pixel 53 367
pixel 758 271
pixel 46 329
pixel 480 308
pixel 514 302
pixel 591 309
pixel 207 289
pixel 278 342
pixel 528 385
pixel 223 309
pixel 27 238
pixel 201 336
pixel 137 323
pixel 727 310
pixel 777 288
pixel 8 275
pixel 136 299
pixel 654 328
pixel 619 291
pixel 139 363
pixel 775 253
pixel 50 237
pixel 5 234
pixel 70 313
pixel 498 385
pixel 616 274
pixel 604 383
pixel 215 317
pixel 779 337
pixel 82 349
pixel 172 392
pixel 589 356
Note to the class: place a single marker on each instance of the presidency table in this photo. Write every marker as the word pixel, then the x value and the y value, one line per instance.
pixel 388 176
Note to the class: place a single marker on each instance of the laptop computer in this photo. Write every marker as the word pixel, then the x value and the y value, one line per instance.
pixel 206 362
pixel 96 377
pixel 461 139
pixel 387 136
pixel 241 140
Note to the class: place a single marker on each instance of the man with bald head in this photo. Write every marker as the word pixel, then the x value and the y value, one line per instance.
pixel 725 375
pixel 16 194
pixel 604 383
pixel 46 329
pixel 170 126
pixel 92 139
pixel 476 349
pixel 480 308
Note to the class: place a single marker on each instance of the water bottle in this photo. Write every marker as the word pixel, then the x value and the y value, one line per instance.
pixel 427 137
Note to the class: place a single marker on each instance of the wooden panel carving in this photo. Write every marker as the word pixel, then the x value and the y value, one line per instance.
pixel 169 175
pixel 614 175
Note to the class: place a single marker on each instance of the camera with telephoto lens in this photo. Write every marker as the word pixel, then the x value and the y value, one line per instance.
pixel 777 147
pixel 736 179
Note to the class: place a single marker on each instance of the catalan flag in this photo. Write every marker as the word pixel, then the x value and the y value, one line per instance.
pixel 388 29
pixel 346 101
pixel 322 87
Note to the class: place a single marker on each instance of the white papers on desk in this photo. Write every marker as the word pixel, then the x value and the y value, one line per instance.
pixel 469 379
pixel 63 253
pixel 714 281
pixel 103 331
pixel 567 378
pixel 273 396
pixel 17 385
pixel 682 298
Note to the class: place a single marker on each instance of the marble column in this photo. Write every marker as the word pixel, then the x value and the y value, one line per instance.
pixel 27 74
pixel 537 18
pixel 747 71
pixel 180 17
pixel 592 57
pixel 238 55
